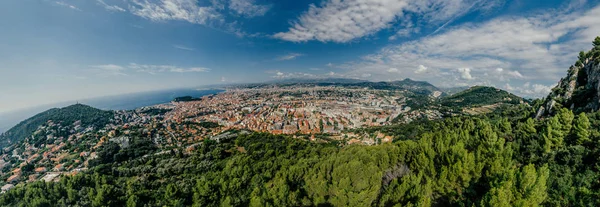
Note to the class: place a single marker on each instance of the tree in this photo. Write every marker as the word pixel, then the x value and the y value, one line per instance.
pixel 132 201
pixel 580 129
pixel 597 42
pixel 581 56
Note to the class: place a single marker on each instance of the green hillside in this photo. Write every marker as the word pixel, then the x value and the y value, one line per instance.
pixel 88 116
pixel 480 96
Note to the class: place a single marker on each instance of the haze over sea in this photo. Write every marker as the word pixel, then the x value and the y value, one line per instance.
pixel 117 102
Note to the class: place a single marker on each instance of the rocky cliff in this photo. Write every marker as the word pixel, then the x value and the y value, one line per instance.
pixel 580 89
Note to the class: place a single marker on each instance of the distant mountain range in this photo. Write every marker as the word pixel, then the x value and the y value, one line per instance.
pixel 418 87
pixel 316 80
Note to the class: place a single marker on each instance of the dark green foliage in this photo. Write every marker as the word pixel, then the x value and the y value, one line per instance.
pixel 207 125
pixel 480 96
pixel 65 116
pixel 185 99
pixel 460 161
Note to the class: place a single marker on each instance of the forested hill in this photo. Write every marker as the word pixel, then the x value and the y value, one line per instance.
pixel 480 96
pixel 66 116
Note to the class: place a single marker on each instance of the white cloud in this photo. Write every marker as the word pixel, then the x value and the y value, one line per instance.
pixel 502 74
pixel 530 90
pixel 465 73
pixel 113 8
pixel 515 74
pixel 248 8
pixel 289 56
pixel 154 69
pixel 281 75
pixel 538 48
pixel 208 13
pixel 60 3
pixel 181 47
pixel 181 10
pixel 421 69
pixel 393 70
pixel 343 21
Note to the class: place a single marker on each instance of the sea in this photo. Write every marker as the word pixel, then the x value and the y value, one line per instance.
pixel 116 102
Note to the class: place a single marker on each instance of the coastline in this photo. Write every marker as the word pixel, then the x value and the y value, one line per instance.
pixel 116 102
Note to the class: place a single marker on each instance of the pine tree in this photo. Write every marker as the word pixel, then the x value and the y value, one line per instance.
pixel 597 42
pixel 580 129
pixel 132 201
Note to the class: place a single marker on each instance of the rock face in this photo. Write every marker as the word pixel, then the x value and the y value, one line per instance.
pixel 580 89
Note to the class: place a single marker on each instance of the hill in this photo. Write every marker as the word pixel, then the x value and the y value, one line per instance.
pixel 454 90
pixel 480 96
pixel 88 116
pixel 577 91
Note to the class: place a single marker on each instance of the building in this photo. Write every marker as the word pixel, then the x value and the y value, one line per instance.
pixel 13 179
pixel 7 187
pixel 49 177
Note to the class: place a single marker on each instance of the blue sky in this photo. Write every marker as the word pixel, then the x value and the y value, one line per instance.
pixel 58 50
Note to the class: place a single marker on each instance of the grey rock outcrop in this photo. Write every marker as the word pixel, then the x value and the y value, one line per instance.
pixel 579 90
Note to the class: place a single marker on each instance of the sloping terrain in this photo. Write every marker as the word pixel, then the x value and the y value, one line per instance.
pixel 480 96
pixel 579 90
pixel 88 116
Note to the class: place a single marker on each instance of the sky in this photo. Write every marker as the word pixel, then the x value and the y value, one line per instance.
pixel 59 50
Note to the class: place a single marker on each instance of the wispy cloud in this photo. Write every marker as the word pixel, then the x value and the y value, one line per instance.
pixel 63 4
pixel 113 8
pixel 344 21
pixel 181 47
pixel 211 14
pixel 289 56
pixel 154 69
pixel 181 10
pixel 109 70
pixel 248 8
pixel 282 75
pixel 118 70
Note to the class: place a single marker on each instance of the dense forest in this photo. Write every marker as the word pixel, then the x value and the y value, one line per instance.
pixel 482 161
pixel 88 116
pixel 479 96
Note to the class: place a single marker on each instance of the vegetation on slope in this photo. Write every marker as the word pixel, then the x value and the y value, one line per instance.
pixel 482 161
pixel 88 116
pixel 480 96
